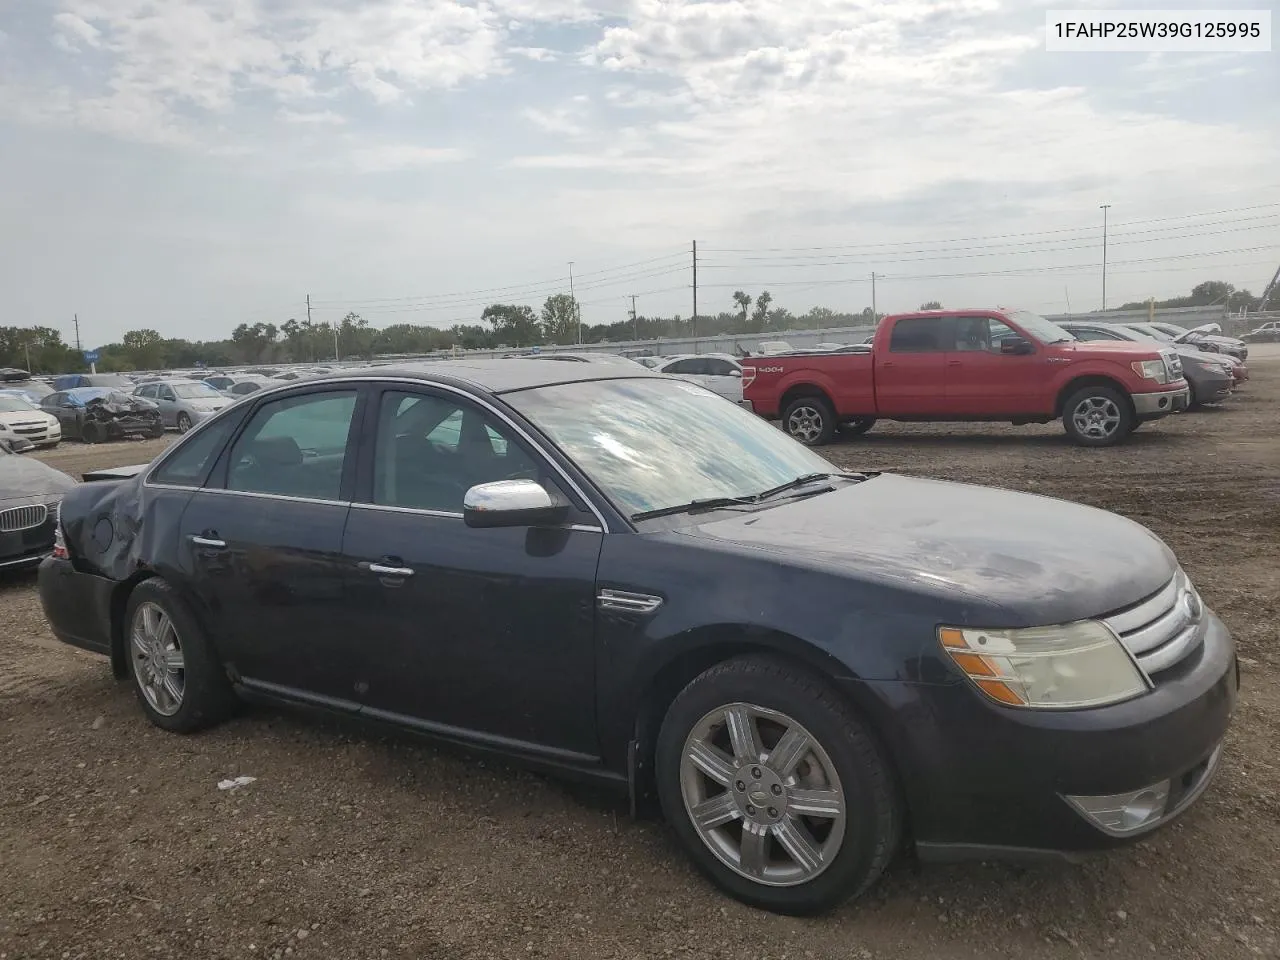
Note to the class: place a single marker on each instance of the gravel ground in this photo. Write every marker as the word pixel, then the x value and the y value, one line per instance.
pixel 115 842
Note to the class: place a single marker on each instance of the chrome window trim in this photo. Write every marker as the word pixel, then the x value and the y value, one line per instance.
pixel 309 386
pixel 452 515
pixel 270 496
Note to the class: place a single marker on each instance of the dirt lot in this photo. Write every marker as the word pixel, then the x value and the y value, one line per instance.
pixel 115 842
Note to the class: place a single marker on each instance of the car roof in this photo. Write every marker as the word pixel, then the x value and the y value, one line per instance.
pixel 91 391
pixel 496 375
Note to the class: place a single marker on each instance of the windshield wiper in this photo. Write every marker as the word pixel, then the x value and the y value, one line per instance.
pixel 714 503
pixel 710 503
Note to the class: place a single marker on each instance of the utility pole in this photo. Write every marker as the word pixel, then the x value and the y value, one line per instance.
pixel 1104 207
pixel 693 323
pixel 77 316
pixel 635 324
pixel 874 314
pixel 577 314
pixel 26 346
pixel 1067 290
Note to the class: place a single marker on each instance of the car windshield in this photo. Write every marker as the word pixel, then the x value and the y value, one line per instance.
pixel 1045 331
pixel 656 443
pixel 194 391
pixel 109 380
pixel 14 405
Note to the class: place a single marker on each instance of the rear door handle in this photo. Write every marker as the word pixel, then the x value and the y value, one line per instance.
pixel 954 363
pixel 209 542
pixel 383 570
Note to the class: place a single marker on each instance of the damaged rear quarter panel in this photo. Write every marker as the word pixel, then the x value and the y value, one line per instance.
pixel 119 529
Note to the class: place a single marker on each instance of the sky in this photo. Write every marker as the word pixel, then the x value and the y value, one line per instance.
pixel 189 165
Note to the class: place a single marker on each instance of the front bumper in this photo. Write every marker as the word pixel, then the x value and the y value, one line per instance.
pixel 1149 406
pixel 1215 389
pixel 985 781
pixel 20 549
pixel 132 426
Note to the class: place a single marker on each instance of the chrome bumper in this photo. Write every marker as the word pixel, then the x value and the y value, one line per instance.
pixel 1158 404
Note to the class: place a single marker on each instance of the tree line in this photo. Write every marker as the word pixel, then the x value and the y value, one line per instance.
pixel 500 325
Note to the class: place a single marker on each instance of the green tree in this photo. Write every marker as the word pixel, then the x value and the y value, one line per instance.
pixel 144 349
pixel 760 315
pixel 560 318
pixel 744 307
pixel 931 305
pixel 514 325
pixel 355 338
pixel 254 343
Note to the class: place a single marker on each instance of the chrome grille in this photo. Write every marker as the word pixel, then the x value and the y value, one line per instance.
pixel 1163 629
pixel 22 518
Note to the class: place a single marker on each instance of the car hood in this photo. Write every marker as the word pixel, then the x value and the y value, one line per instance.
pixel 1087 349
pixel 24 416
pixel 24 479
pixel 1040 560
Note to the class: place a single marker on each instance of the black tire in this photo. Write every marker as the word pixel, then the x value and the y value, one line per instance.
pixel 1193 403
pixel 206 694
pixel 184 423
pixel 810 420
pixel 92 432
pixel 872 809
pixel 857 427
pixel 1108 401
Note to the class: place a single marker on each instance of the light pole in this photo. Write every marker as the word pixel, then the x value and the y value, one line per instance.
pixel 1104 207
pixel 576 315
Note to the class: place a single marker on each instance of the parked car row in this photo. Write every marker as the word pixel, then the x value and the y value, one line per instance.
pixel 1102 380
pixel 630 580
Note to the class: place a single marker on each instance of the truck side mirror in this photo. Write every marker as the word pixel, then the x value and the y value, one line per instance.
pixel 1016 346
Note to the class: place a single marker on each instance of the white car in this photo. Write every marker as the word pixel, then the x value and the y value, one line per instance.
pixel 718 372
pixel 21 419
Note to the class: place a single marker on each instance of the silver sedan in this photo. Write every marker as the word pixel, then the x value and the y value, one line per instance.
pixel 183 403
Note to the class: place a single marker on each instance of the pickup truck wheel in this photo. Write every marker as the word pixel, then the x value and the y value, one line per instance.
pixel 810 420
pixel 857 426
pixel 176 673
pixel 775 786
pixel 1097 416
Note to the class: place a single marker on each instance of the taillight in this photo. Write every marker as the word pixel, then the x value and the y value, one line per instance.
pixel 59 541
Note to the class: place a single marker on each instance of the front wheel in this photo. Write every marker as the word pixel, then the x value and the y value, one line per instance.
pixel 810 420
pixel 184 423
pixel 776 787
pixel 93 432
pixel 1098 416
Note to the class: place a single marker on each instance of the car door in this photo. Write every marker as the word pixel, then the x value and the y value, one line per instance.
pixel 910 376
pixel 723 377
pixel 167 401
pixel 981 380
pixel 63 407
pixel 261 544
pixel 483 633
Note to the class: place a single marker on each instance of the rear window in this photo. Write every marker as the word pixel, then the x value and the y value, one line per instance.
pixel 918 335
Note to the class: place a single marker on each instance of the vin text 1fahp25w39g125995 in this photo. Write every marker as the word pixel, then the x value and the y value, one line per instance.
pixel 621 575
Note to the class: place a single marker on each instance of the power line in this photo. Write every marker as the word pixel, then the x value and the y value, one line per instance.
pixel 1002 236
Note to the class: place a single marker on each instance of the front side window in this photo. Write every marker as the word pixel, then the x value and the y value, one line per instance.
pixel 1091 333
pixel 983 334
pixel 652 443
pixel 295 447
pixel 432 449
pixel 719 368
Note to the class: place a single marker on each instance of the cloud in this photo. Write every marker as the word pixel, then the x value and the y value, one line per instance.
pixel 315 117
pixel 398 156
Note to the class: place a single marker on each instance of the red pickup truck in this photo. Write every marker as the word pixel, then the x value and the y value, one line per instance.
pixel 952 365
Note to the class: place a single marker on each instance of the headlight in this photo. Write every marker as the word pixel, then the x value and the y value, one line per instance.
pixel 1151 370
pixel 1074 665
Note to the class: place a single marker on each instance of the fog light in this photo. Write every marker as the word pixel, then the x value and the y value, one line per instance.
pixel 1122 813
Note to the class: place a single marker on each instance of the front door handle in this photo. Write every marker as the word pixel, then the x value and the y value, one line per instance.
pixel 954 363
pixel 209 542
pixel 383 570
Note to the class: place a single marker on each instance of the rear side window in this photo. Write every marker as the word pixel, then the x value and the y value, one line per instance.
pixel 295 447
pixel 190 463
pixel 919 335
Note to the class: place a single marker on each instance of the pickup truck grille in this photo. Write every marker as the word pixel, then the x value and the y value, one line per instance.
pixel 22 518
pixel 1163 629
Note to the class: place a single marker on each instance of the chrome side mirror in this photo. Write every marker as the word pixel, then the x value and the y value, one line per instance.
pixel 512 503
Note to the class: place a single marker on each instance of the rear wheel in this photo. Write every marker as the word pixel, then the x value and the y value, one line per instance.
pixel 810 420
pixel 1098 416
pixel 775 786
pixel 176 673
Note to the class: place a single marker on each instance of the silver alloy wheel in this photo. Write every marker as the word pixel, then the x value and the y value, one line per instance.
pixel 763 794
pixel 184 423
pixel 805 424
pixel 1097 417
pixel 158 665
